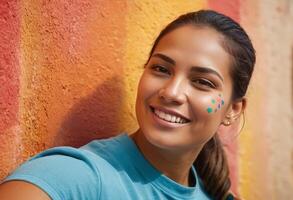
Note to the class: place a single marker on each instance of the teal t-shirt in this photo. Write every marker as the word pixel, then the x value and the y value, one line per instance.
pixel 103 169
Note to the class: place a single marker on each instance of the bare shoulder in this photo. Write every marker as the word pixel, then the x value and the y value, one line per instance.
pixel 16 190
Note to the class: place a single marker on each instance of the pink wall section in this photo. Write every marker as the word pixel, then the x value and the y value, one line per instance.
pixel 69 71
pixel 9 84
pixel 230 8
pixel 9 64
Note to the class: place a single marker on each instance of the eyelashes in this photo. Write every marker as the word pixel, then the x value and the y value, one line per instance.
pixel 160 69
pixel 204 82
pixel 199 82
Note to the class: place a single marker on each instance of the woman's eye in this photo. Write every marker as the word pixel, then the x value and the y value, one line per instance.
pixel 160 69
pixel 204 83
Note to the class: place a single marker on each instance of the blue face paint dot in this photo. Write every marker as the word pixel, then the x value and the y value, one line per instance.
pixel 222 102
pixel 209 110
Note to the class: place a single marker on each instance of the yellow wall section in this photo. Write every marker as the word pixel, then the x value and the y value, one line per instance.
pixel 31 65
pixel 145 19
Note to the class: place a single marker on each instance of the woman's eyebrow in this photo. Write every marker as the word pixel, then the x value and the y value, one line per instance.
pixel 206 70
pixel 165 58
pixel 198 69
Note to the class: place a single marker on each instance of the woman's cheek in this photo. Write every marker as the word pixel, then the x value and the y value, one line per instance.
pixel 148 85
pixel 214 104
pixel 208 105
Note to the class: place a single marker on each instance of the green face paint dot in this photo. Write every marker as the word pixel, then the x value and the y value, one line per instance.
pixel 222 102
pixel 213 101
pixel 210 110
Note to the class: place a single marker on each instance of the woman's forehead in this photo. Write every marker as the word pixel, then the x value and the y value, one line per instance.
pixel 193 38
pixel 194 45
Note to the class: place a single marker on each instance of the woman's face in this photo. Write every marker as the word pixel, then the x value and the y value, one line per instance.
pixel 185 91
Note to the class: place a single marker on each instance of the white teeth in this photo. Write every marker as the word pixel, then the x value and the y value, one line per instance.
pixel 173 119
pixel 168 117
pixel 161 114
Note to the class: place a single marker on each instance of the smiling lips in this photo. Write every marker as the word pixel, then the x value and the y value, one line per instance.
pixel 169 117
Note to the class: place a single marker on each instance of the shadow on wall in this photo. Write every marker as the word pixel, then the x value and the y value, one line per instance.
pixel 95 116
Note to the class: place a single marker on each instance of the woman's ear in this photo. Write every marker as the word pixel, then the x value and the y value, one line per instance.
pixel 234 112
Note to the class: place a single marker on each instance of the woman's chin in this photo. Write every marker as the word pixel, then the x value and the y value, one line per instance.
pixel 164 141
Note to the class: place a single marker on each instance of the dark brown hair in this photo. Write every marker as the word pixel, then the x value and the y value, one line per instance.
pixel 211 164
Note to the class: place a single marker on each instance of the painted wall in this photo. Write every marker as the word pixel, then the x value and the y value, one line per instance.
pixel 69 71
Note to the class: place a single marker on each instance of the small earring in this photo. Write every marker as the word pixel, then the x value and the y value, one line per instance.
pixel 227 123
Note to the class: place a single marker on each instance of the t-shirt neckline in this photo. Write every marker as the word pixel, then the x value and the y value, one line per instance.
pixel 155 177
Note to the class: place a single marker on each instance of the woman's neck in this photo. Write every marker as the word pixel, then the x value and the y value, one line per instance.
pixel 175 165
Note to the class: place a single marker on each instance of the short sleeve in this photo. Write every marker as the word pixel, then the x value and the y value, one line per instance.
pixel 64 173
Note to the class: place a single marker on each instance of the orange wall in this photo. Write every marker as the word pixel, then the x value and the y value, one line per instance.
pixel 69 72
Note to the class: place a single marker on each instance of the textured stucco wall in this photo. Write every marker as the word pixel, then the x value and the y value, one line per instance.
pixel 69 72
pixel 72 71
pixel 9 85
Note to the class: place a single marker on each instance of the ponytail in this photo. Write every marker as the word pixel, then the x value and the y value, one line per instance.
pixel 212 167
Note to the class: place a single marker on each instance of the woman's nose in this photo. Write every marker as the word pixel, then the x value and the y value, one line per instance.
pixel 173 92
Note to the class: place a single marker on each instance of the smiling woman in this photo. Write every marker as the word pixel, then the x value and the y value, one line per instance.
pixel 192 66
pixel 194 82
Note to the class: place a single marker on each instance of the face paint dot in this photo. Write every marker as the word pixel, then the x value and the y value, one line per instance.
pixel 219 105
pixel 213 101
pixel 222 102
pixel 216 110
pixel 209 110
pixel 220 95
